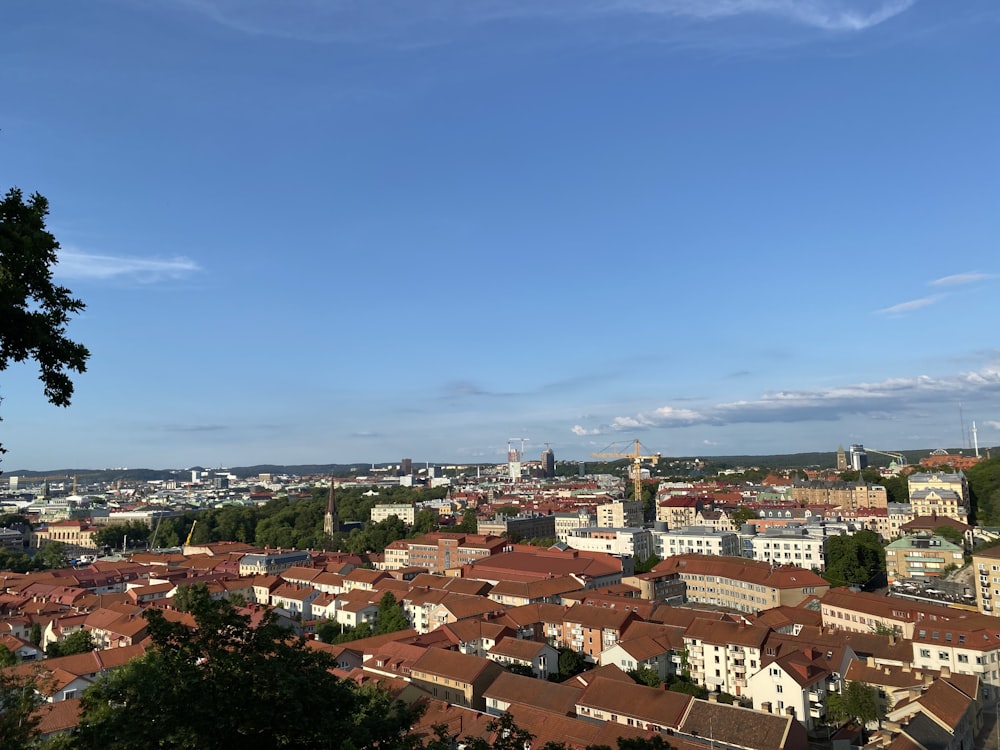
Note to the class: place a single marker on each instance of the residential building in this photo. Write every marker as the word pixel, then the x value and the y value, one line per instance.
pixel 621 542
pixel 797 545
pixel 522 526
pixel 921 556
pixel 566 522
pixel 741 584
pixel 272 562
pixel 986 565
pixel 663 587
pixel 404 512
pixel 845 495
pixel 796 682
pixel 590 630
pixel 455 677
pixel 442 551
pixel 541 658
pixel 679 510
pixel 721 654
pixel 702 540
pixel 620 514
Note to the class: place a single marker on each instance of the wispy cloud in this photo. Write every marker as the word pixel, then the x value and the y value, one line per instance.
pixel 910 305
pixel 392 21
pixel 76 264
pixel 888 397
pixel 962 278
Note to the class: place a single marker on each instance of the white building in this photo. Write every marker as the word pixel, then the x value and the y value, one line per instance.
pixel 790 545
pixel 404 513
pixel 698 539
pixel 634 542
pixel 620 514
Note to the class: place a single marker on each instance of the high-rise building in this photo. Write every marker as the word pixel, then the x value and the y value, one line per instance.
pixel 859 459
pixel 406 467
pixel 548 463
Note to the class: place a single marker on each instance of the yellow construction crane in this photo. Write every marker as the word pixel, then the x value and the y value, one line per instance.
pixel 187 542
pixel 636 458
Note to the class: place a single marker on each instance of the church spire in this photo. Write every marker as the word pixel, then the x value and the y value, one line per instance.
pixel 331 523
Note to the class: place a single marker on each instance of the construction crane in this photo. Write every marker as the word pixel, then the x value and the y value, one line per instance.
pixel 899 458
pixel 187 542
pixel 636 458
pixel 520 456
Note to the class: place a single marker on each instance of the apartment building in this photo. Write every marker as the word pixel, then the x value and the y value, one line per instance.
pixel 679 510
pixel 942 637
pixel 441 551
pixel 791 545
pixel 590 630
pixel 844 495
pixel 621 542
pixel 921 556
pixel 620 514
pixel 523 526
pixel 566 522
pixel 721 655
pixel 740 584
pixel 701 540
pixel 272 562
pixel 404 512
pixel 797 682
pixel 986 565
pixel 455 677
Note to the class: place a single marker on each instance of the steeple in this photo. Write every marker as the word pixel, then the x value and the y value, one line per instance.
pixel 331 523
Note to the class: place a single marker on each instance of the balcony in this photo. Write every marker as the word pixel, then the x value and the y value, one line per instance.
pixel 816 712
pixel 815 697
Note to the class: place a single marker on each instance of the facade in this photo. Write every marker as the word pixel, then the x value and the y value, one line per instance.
pixel 701 540
pixel 523 526
pixel 440 551
pixel 455 677
pixel 566 522
pixel 921 556
pixel 721 655
pixel 844 495
pixel 743 585
pixel 272 562
pixel 633 542
pixel 799 546
pixel 71 533
pixel 620 514
pixel 403 512
pixel 796 682
pixel 678 511
pixel 986 565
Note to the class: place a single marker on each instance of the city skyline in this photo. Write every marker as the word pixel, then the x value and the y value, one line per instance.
pixel 350 232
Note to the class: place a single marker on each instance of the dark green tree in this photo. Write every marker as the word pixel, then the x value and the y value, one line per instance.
pixel 34 311
pixel 950 533
pixel 391 617
pixel 507 736
pixel 425 520
pixel 742 515
pixel 36 633
pixel 854 560
pixel 52 555
pixel 469 523
pixel 226 684
pixel 18 701
pixel 189 597
pixel 570 663
pixel 7 657
pixel 75 643
pixel 858 702
pixel 646 676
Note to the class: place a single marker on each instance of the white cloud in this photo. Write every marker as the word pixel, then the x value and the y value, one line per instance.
pixel 892 396
pixel 991 423
pixel 962 278
pixel 911 305
pixel 75 264
pixel 382 21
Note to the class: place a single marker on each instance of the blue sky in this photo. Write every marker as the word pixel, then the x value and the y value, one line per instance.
pixel 358 230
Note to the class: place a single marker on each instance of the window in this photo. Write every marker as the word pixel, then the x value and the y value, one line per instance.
pixel 925 652
pixel 779 688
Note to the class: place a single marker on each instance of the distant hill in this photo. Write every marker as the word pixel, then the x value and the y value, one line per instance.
pixel 825 459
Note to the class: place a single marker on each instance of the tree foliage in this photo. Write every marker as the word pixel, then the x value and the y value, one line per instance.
pixel 75 643
pixel 18 701
pixel 34 311
pixel 225 684
pixel 858 702
pixel 391 617
pixel 854 559
pixel 984 488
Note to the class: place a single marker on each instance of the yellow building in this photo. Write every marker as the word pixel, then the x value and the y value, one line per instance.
pixel 72 533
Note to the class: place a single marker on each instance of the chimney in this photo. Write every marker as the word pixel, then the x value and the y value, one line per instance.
pixel 945 673
pixel 766 706
pixel 713 697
